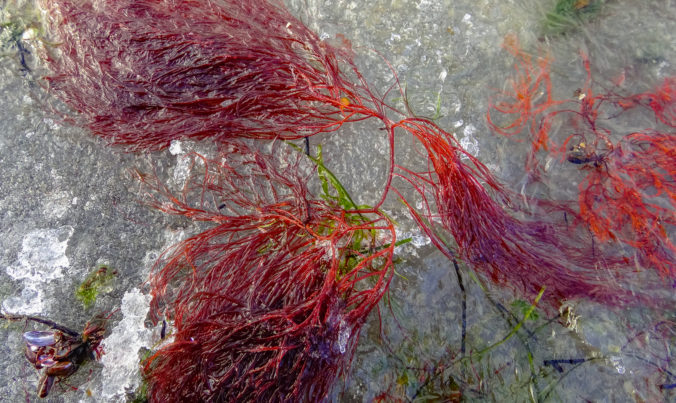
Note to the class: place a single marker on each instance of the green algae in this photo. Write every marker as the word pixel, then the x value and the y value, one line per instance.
pixel 568 15
pixel 97 281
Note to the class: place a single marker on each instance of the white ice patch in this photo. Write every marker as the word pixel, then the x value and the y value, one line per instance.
pixel 41 260
pixel 427 5
pixel 182 170
pixel 57 204
pixel 51 124
pixel 467 19
pixel 184 162
pixel 175 147
pixel 121 360
pixel 418 240
pixel 468 142
pixel 343 336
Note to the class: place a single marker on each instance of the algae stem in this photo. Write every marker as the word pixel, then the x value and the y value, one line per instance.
pixel 518 325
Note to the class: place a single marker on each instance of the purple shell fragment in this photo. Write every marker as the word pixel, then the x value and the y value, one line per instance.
pixel 40 338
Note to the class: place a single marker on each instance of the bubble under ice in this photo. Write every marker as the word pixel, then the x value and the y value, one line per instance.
pixel 121 361
pixel 42 259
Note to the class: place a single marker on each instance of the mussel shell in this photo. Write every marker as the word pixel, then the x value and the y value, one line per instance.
pixel 62 368
pixel 31 354
pixel 45 385
pixel 40 338
pixel 45 361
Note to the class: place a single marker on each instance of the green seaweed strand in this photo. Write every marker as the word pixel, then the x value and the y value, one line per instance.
pixel 516 328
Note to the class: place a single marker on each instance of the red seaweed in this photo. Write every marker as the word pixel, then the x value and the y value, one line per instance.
pixel 627 190
pixel 143 73
pixel 662 101
pixel 528 94
pixel 212 72
pixel 619 197
pixel 304 71
pixel 522 254
pixel 268 303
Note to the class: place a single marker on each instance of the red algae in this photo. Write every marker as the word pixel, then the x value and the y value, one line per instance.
pixel 619 197
pixel 201 69
pixel 142 73
pixel 662 101
pixel 268 303
pixel 522 254
pixel 527 94
pixel 626 191
pixel 203 80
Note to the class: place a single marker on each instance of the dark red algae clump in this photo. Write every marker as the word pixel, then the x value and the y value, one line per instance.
pixel 141 73
pixel 524 254
pixel 268 303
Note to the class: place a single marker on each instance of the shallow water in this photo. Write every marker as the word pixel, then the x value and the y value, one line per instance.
pixel 69 203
